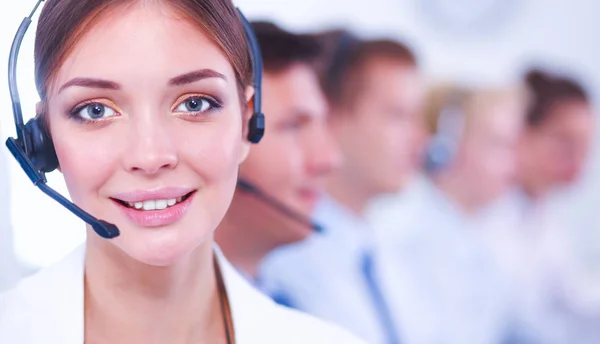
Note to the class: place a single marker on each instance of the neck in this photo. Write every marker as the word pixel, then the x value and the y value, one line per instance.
pixel 456 191
pixel 130 302
pixel 343 188
pixel 241 244
pixel 532 186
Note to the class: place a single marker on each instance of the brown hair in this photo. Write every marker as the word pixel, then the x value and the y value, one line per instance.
pixel 280 49
pixel 346 57
pixel 63 22
pixel 547 91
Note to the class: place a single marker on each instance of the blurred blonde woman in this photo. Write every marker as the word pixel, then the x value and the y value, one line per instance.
pixel 452 292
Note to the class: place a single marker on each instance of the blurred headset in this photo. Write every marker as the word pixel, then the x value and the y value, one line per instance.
pixel 33 147
pixel 336 67
pixel 449 129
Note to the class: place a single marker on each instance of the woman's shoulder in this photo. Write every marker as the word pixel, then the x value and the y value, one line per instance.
pixel 40 304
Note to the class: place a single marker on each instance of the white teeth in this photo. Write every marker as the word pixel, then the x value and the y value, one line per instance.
pixel 149 205
pixel 161 204
pixel 155 204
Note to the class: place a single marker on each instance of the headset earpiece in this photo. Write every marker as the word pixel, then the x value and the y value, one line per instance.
pixel 443 146
pixel 256 127
pixel 42 155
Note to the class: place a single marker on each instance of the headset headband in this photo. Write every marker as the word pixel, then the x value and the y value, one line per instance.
pixel 256 130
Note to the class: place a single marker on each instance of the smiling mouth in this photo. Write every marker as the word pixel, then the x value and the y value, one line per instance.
pixel 157 204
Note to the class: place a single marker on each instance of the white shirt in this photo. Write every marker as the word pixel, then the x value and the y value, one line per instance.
pixel 447 289
pixel 555 292
pixel 48 308
pixel 324 276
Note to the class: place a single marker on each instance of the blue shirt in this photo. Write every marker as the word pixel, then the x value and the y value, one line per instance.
pixel 335 275
pixel 447 288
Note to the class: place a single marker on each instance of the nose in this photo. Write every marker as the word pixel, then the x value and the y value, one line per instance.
pixel 150 147
pixel 324 154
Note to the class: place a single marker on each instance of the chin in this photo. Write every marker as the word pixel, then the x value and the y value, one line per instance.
pixel 158 247
pixel 294 232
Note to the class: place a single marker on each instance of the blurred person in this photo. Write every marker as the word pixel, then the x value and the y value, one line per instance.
pixel 294 156
pixel 374 89
pixel 148 133
pixel 556 144
pixel 540 245
pixel 451 290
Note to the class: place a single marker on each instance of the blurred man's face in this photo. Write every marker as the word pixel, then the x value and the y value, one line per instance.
pixel 381 138
pixel 293 157
pixel 487 154
pixel 558 148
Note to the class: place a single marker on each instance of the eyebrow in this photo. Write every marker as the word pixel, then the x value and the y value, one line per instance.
pixel 183 79
pixel 92 83
pixel 194 76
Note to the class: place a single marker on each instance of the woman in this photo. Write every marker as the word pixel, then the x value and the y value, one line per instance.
pixel 146 103
pixel 445 282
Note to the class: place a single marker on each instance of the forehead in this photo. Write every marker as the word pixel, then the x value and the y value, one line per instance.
pixel 570 112
pixel 387 76
pixel 497 110
pixel 294 90
pixel 145 43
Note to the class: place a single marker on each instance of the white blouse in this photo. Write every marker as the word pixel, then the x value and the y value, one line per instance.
pixel 48 308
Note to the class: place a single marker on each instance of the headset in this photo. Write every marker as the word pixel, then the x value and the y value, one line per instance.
pixel 450 124
pixel 340 59
pixel 33 148
pixel 279 206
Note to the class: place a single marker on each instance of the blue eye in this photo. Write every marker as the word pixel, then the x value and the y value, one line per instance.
pixel 94 112
pixel 196 105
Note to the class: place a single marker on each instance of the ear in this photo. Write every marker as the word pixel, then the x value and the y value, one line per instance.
pixel 39 108
pixel 246 115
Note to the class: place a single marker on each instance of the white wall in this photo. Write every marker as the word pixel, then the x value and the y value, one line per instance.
pixel 560 31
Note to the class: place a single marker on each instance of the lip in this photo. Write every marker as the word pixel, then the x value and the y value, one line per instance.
pixel 146 195
pixel 156 218
pixel 310 196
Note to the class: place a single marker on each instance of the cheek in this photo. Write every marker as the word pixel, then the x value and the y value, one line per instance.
pixel 87 161
pixel 215 154
pixel 274 164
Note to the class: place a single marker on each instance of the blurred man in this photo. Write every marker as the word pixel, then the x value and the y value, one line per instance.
pixel 551 249
pixel 375 91
pixel 282 178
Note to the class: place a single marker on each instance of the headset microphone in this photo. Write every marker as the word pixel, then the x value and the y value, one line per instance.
pixel 102 228
pixel 33 148
pixel 277 205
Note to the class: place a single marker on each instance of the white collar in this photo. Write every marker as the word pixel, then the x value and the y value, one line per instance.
pixel 50 304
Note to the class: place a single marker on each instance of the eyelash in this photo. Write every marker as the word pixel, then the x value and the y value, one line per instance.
pixel 213 103
pixel 74 113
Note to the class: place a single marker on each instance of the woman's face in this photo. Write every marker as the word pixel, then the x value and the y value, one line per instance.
pixel 147 124
pixel 488 155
